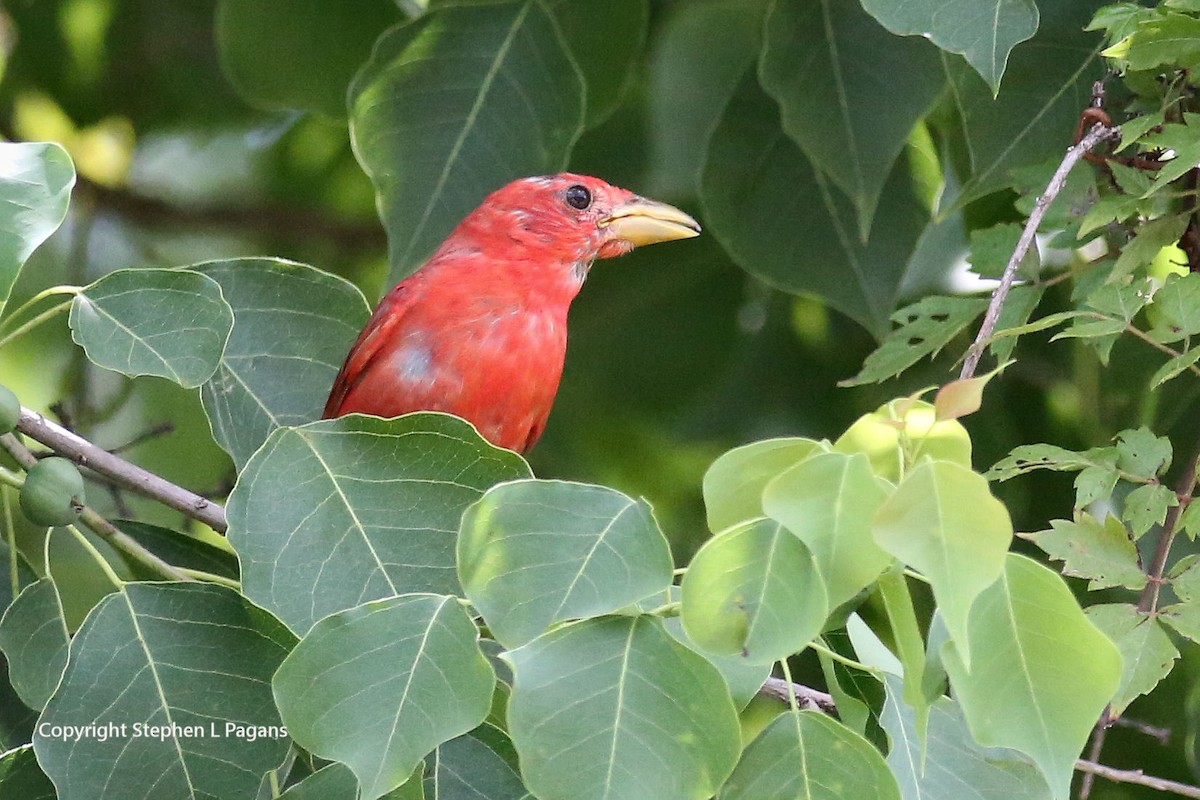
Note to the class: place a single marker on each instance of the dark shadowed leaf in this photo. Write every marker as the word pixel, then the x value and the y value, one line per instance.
pixel 293 326
pixel 532 553
pixel 606 41
pixel 34 638
pixel 180 549
pixel 379 686
pixel 453 106
pixel 21 777
pixel 474 767
pixel 850 92
pixel 332 782
pixel 172 323
pixel 194 661
pixel 331 514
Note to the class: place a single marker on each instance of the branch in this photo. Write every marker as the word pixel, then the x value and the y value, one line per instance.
pixel 808 699
pixel 125 544
pixel 125 474
pixel 1148 602
pixel 1097 134
pixel 1138 777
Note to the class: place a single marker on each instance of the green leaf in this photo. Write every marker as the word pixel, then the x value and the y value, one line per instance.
pixel 606 41
pixel 943 520
pixel 908 644
pixel 34 638
pixel 533 553
pixel 1145 647
pixel 172 323
pixel 754 589
pixel 473 766
pixel 809 756
pixel 925 327
pixel 1172 39
pixel 1094 484
pixel 333 513
pixel 1029 637
pixel 734 484
pixel 1151 237
pixel 180 549
pixel 905 429
pixel 1181 141
pixel 21 777
pixel 756 176
pixel 1102 552
pixel 1029 457
pixel 947 764
pixel 36 179
pixel 639 683
pixel 1178 301
pixel 293 325
pixel 742 677
pixel 823 66
pixel 828 501
pixel 1142 454
pixel 379 686
pixel 991 248
pixel 332 782
pixel 983 33
pixel 1174 367
pixel 285 74
pixel 1146 506
pixel 1046 84
pixel 1108 209
pixel 456 104
pixel 192 661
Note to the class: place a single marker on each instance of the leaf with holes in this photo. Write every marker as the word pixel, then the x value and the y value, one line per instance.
pixel 925 327
pixel 328 515
pixel 172 323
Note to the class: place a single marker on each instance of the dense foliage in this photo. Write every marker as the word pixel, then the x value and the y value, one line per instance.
pixel 770 546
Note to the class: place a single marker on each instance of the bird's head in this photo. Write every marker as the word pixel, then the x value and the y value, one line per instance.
pixel 575 219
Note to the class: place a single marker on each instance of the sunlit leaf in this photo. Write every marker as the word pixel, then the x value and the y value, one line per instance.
pixel 532 553
pixel 36 179
pixel 640 682
pixel 1103 552
pixel 1145 648
pixel 172 323
pixel 734 483
pixel 924 328
pixel 379 686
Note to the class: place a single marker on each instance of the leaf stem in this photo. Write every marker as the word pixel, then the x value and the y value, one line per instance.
pixel 841 659
pixel 1148 602
pixel 37 298
pixel 10 533
pixel 1097 134
pixel 113 577
pixel 21 330
pixel 210 577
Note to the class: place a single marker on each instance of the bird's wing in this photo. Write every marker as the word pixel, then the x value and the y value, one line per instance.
pixel 387 317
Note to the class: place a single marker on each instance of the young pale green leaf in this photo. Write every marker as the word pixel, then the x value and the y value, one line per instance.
pixel 822 65
pixel 330 514
pixel 924 328
pixel 1185 577
pixel 1102 552
pixel 755 176
pixel 991 249
pixel 1045 85
pixel 172 323
pixel 947 764
pixel 828 501
pixel 982 33
pixel 1146 506
pixel 963 397
pixel 734 484
pixel 190 663
pixel 342 33
pixel 532 553
pixel 606 41
pixel 21 777
pixel 1145 647
pixel 910 647
pixel 809 756
pixel 293 325
pixel 905 429
pixel 754 589
pixel 34 638
pixel 474 765
pixel 870 649
pixel 1184 618
pixel 456 104
pixel 379 686
pixel 1178 303
pixel 943 520
pixel 590 705
pixel 36 179
pixel 1040 673
pixel 1142 454
pixel 332 782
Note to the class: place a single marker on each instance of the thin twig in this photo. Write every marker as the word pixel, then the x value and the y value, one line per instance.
pixel 1136 776
pixel 120 541
pixel 1148 602
pixel 1099 732
pixel 807 698
pixel 120 471
pixel 1096 135
pixel 1162 734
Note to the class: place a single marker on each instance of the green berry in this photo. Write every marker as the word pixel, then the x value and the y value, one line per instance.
pixel 53 492
pixel 10 410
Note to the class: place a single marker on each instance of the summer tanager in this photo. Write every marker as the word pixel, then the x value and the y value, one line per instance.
pixel 480 330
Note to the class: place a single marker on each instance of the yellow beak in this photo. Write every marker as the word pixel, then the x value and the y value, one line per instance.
pixel 641 221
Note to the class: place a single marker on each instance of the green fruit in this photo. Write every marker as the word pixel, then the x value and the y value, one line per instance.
pixel 10 410
pixel 53 492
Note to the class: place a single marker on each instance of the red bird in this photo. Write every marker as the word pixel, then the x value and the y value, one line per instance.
pixel 480 330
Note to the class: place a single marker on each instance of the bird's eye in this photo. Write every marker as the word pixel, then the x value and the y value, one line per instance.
pixel 578 196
